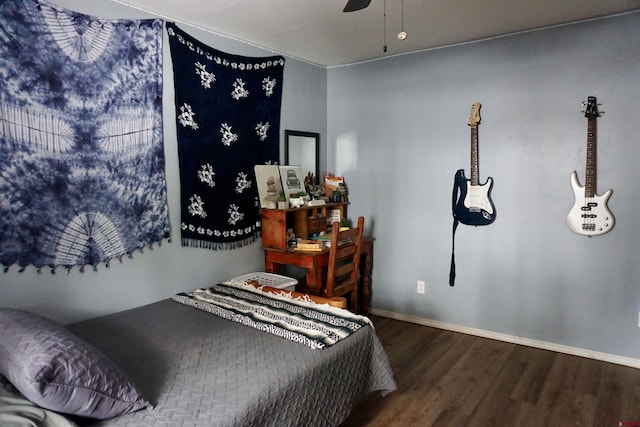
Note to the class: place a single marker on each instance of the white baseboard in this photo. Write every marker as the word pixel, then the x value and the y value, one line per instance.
pixel 575 351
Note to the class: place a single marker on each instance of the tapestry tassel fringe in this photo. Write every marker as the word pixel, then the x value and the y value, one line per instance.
pixel 81 267
pixel 219 246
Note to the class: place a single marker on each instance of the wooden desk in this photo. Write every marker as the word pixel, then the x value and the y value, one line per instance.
pixel 316 262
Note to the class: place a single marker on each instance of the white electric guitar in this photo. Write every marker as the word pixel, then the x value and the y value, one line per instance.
pixel 590 215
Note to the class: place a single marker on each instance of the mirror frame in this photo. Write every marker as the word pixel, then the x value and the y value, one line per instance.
pixel 289 136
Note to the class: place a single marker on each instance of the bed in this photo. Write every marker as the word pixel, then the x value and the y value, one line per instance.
pixel 195 368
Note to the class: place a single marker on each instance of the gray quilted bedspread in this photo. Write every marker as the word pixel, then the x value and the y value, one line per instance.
pixel 200 370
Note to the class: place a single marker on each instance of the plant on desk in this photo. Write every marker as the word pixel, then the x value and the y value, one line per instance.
pixel 345 222
pixel 316 191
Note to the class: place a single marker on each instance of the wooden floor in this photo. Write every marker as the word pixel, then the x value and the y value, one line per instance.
pixel 451 379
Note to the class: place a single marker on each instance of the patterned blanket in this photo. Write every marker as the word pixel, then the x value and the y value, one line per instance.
pixel 81 148
pixel 315 325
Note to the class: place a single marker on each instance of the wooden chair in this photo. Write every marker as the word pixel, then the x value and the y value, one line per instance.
pixel 344 262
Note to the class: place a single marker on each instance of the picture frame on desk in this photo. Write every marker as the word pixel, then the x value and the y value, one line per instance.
pixel 292 180
pixel 269 185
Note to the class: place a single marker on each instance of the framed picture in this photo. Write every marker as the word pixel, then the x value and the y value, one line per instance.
pixel 269 185
pixel 292 180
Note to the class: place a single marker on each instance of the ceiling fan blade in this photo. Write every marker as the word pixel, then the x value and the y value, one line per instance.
pixel 353 5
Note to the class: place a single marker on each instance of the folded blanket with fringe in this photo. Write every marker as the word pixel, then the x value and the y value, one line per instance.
pixel 315 325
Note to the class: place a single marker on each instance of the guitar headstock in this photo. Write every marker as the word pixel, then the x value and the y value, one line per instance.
pixel 591 109
pixel 474 115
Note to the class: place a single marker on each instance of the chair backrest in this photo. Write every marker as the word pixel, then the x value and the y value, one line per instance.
pixel 344 262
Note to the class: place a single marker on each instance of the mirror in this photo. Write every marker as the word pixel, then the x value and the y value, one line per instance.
pixel 302 148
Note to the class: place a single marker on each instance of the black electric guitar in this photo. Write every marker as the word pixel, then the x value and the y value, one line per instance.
pixel 472 204
pixel 590 215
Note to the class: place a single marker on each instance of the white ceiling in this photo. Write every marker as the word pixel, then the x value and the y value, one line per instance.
pixel 317 31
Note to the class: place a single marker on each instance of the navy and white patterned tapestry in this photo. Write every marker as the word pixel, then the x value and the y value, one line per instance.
pixel 81 149
pixel 228 120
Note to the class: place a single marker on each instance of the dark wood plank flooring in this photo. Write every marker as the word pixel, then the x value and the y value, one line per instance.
pixel 451 379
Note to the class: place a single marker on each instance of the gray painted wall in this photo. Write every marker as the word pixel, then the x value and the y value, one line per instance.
pixel 159 273
pixel 398 132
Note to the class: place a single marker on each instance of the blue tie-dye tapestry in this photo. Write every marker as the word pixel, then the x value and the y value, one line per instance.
pixel 81 148
pixel 228 120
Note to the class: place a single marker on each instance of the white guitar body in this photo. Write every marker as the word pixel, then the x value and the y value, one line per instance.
pixel 589 216
pixel 477 197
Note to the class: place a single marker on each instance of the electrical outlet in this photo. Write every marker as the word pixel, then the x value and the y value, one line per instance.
pixel 421 285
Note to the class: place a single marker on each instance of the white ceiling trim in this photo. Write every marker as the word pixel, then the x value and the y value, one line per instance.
pixel 515 33
pixel 209 30
pixel 317 32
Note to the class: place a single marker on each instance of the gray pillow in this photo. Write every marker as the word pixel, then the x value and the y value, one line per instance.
pixel 57 370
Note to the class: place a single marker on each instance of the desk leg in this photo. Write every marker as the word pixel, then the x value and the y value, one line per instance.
pixel 314 278
pixel 365 277
pixel 270 267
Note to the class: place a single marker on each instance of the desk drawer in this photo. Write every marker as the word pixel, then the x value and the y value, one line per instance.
pixel 316 224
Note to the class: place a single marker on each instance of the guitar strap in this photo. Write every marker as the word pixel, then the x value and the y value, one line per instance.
pixel 454 199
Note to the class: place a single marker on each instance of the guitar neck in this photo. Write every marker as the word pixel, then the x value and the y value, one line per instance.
pixel 475 179
pixel 590 178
